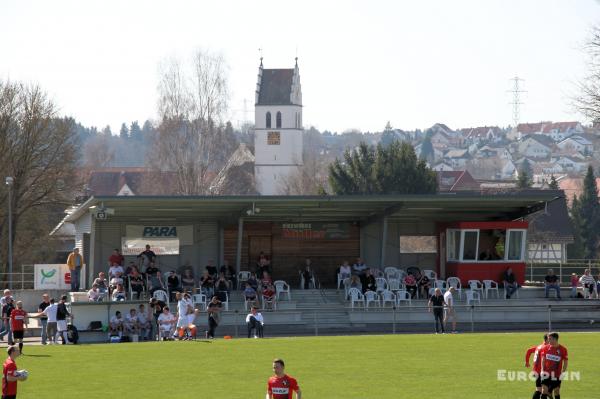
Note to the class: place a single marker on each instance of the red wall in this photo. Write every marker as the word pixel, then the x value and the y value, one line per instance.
pixel 484 271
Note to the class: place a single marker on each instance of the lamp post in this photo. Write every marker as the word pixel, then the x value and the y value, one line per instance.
pixel 9 182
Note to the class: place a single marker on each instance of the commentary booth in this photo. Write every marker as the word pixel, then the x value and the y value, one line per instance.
pixel 464 234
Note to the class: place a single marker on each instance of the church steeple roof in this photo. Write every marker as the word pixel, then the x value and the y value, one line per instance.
pixel 277 86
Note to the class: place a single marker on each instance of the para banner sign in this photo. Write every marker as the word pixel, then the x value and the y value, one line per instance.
pixel 316 231
pixel 53 277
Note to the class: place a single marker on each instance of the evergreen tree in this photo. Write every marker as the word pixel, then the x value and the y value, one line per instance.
pixel 394 169
pixel 427 153
pixel 124 132
pixel 575 249
pixel 106 131
pixel 388 136
pixel 589 214
pixel 135 133
pixel 553 183
pixel 523 180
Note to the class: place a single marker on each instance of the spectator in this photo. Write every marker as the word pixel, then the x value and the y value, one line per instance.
pixel 207 284
pixel 136 282
pixel 510 283
pixel 115 325
pixel 250 294
pixel 6 311
pixel 574 285
pixel 436 303
pixel 147 257
pixel 450 312
pixel 156 307
pixel 130 268
pixel 115 270
pixel 424 285
pixel 411 285
pixel 166 324
pixel 345 270
pixel 18 322
pixel 359 268
pixel 587 282
pixel 307 273
pixel 131 323
pixel 119 293
pixel 355 283
pixel 75 263
pixel 3 300
pixel 551 283
pixel 155 282
pixel 143 320
pixel 253 281
pixel 370 284
pixel 214 316
pixel 151 269
pixel 101 282
pixel 268 296
pixel 188 283
pixel 255 321
pixel 116 259
pixel 211 268
pixel 50 313
pixel 61 318
pixel 117 279
pixel 229 273
pixel 263 264
pixel 222 288
pixel 43 318
pixel 173 284
pixel 94 293
pixel 266 279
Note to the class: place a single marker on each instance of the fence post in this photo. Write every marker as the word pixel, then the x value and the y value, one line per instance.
pixel 472 324
pixel 559 273
pixel 549 317
pixel 531 272
pixel 237 335
pixel 316 324
pixel 394 324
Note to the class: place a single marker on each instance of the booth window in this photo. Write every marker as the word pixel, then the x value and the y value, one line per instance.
pixel 453 244
pixel 485 245
pixel 515 244
pixel 470 241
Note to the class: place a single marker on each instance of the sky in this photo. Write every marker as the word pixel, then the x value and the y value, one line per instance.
pixel 362 63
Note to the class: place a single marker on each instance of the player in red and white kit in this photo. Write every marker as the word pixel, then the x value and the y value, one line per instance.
pixel 554 359
pixel 537 365
pixel 281 385
pixel 17 323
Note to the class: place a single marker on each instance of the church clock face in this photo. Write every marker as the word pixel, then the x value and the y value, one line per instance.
pixel 273 138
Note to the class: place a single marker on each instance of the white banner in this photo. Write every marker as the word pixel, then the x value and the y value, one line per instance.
pixel 53 277
pixel 185 234
pixel 135 246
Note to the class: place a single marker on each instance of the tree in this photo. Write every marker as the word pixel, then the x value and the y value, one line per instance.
pixel 381 170
pixel 106 131
pixel 190 140
pixel 588 100
pixel 388 136
pixel 575 250
pixel 523 181
pixel 589 214
pixel 39 150
pixel 553 185
pixel 124 132
pixel 135 133
pixel 427 153
pixel 98 152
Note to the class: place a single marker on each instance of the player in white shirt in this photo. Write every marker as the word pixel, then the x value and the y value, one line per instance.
pixel 449 311
pixel 255 321
pixel 144 322
pixel 166 323
pixel 51 327
pixel 131 324
pixel 116 325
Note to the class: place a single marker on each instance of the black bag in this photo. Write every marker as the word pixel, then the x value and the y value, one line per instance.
pixel 72 334
pixel 95 325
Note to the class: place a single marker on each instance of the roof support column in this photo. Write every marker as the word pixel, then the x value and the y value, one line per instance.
pixel 384 235
pixel 240 236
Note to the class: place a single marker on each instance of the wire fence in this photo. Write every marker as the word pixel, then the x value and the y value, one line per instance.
pixel 535 272
pixel 22 277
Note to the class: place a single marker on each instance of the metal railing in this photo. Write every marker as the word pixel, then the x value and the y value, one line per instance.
pixel 535 272
pixel 22 277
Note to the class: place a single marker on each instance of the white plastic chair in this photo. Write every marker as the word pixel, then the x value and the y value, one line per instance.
pixel 515 294
pixel 401 274
pixel 346 283
pixel 371 296
pixel 243 276
pixel 340 280
pixel 431 275
pixel 226 301
pixel 356 297
pixel 161 296
pixel 475 285
pixel 312 281
pixel 381 284
pixel 403 296
pixel 388 296
pixel 394 285
pixel 490 285
pixel 199 299
pixel 281 287
pixel 441 284
pixel 472 297
pixel 272 302
pixel 390 272
pixel 455 282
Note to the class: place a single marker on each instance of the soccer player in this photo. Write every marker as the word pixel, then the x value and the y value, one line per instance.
pixel 436 301
pixel 9 375
pixel 554 359
pixel 281 385
pixel 17 321
pixel 537 365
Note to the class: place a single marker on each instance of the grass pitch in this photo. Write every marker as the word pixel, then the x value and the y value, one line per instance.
pixel 388 366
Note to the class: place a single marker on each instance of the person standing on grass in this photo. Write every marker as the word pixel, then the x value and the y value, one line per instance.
pixel 436 303
pixel 51 327
pixel 554 358
pixel 6 311
pixel 43 318
pixel 214 316
pixel 17 322
pixel 75 263
pixel 3 300
pixel 281 385
pixel 537 365
pixel 61 319
pixel 9 373
pixel 450 311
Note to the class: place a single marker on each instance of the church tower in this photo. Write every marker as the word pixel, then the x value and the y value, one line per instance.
pixel 278 127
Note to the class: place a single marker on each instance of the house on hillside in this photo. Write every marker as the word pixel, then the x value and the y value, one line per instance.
pixel 442 167
pixel 526 129
pixel 130 181
pixel 457 158
pixel 483 134
pixel 559 131
pixel 570 164
pixel 576 143
pixel 459 180
pixel 549 233
pixel 535 146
